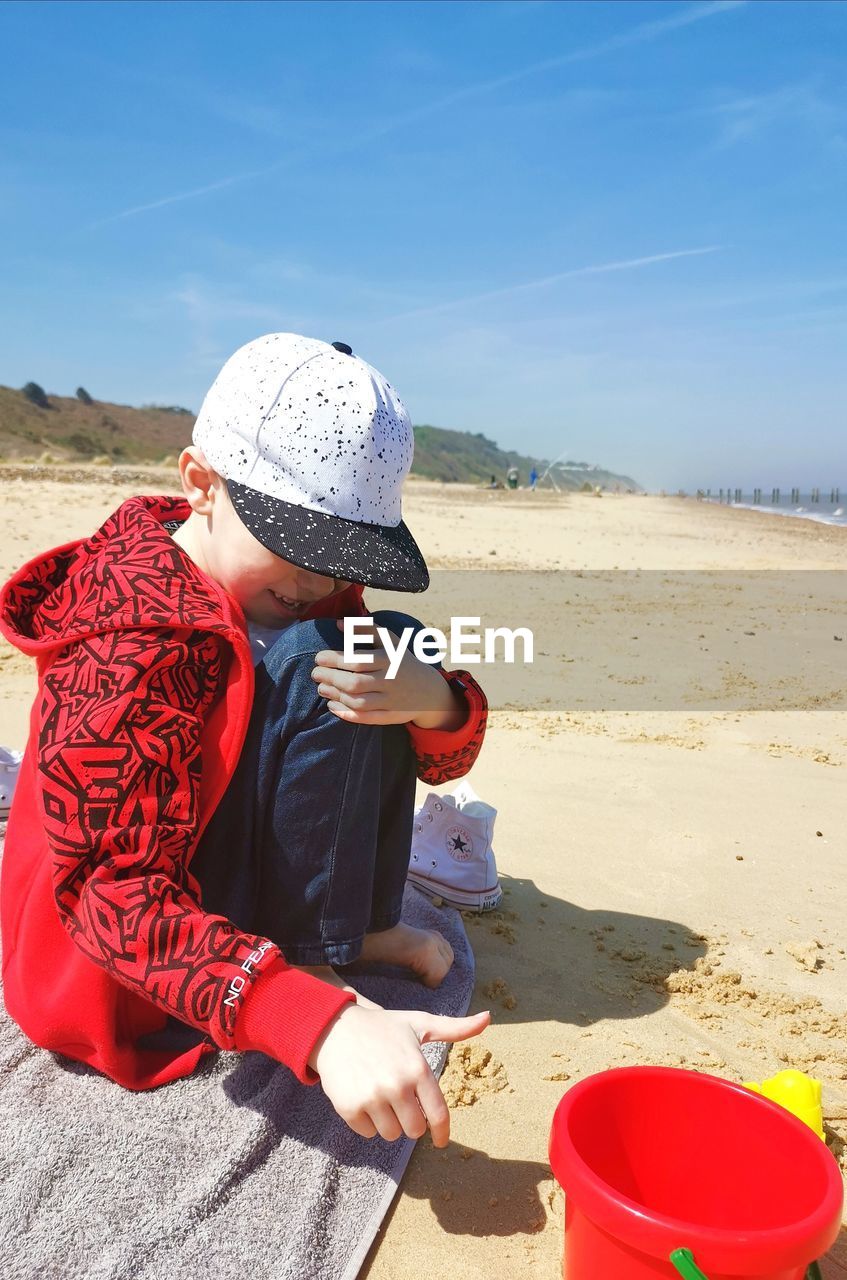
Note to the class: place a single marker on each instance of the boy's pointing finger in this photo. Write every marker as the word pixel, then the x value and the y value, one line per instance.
pixel 434 1107
pixel 429 1027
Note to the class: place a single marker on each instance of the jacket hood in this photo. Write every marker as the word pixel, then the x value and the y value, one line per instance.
pixel 129 574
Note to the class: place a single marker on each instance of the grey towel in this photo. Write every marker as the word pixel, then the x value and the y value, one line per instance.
pixel 238 1171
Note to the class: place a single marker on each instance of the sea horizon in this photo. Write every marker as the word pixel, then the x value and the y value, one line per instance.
pixel 824 511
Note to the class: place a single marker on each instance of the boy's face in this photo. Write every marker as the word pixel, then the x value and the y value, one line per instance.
pixel 270 590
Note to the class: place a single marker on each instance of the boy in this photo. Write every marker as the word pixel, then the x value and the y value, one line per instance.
pixel 191 847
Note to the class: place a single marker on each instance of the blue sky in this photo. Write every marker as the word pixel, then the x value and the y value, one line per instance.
pixel 615 229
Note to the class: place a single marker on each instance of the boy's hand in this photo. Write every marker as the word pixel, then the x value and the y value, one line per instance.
pixel 374 1074
pixel 361 692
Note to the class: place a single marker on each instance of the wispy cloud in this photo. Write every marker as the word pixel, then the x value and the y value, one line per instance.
pixel 641 34
pixel 774 297
pixel 183 195
pixel 215 319
pixel 746 116
pixel 201 301
pixel 651 30
pixel 602 268
pixel 258 117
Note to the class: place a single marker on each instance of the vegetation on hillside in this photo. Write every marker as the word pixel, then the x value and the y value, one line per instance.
pixel 70 429
pixel 168 408
pixel 35 395
pixel 36 428
pixel 458 455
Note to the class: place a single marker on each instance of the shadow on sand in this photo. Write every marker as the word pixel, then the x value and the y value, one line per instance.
pixel 560 963
pixel 566 964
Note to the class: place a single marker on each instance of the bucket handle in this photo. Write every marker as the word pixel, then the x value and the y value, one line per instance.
pixel 683 1260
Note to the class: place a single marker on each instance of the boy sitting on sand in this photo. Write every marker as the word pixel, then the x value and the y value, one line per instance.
pixel 193 846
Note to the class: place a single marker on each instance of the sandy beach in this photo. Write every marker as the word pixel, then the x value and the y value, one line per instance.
pixel 671 852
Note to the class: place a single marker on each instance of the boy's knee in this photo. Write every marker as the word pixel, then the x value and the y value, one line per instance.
pixel 303 638
pixel 297 645
pixel 396 621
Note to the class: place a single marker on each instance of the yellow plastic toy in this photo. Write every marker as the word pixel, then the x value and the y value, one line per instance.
pixel 798 1093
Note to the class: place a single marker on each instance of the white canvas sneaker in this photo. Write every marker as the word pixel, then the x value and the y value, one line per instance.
pixel 10 767
pixel 452 857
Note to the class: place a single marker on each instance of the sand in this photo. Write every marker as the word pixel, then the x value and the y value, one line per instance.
pixel 672 867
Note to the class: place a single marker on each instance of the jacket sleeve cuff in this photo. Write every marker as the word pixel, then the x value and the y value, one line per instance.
pixel 285 1015
pixel 447 741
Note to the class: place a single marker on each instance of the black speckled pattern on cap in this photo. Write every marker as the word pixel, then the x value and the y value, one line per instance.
pixel 384 556
pixel 300 429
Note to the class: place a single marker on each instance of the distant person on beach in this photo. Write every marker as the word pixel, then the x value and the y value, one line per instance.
pixel 214 807
pixel 533 479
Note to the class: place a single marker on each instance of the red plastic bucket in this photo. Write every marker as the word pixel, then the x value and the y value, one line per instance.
pixel 654 1159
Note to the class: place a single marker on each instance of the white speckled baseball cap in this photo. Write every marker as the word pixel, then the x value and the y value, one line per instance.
pixel 314 446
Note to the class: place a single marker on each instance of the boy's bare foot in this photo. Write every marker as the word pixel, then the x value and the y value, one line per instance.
pixel 327 974
pixel 424 951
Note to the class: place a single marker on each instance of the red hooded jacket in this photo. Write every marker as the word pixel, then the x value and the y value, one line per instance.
pixel 145 687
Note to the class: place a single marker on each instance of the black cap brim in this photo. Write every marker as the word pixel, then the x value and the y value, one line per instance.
pixel 374 555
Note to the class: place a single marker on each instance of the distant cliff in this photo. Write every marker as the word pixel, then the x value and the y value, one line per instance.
pixel 459 455
pixel 78 429
pixel 70 430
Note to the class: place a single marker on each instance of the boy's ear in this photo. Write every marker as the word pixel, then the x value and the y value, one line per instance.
pixel 200 481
